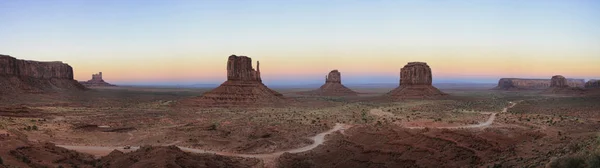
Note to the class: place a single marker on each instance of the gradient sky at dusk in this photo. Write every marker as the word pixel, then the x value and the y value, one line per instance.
pixel 187 42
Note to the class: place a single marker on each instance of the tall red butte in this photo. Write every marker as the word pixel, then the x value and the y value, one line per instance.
pixel 243 86
pixel 24 76
pixel 415 82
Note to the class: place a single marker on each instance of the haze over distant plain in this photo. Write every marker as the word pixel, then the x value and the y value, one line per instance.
pixel 299 42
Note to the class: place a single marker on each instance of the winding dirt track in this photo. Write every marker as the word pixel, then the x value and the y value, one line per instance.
pixel 489 121
pixel 268 158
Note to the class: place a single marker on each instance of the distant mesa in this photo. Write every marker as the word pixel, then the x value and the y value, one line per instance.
pixel 533 84
pixel 558 81
pixel 333 86
pixel 594 83
pixel 243 86
pixel 559 85
pixel 24 76
pixel 96 81
pixel 415 82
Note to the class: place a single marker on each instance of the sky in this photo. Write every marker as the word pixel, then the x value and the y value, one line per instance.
pixel 188 42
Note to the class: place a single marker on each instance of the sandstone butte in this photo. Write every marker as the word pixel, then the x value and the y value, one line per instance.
pixel 24 76
pixel 527 84
pixel 415 82
pixel 559 85
pixel 592 84
pixel 96 81
pixel 333 86
pixel 243 87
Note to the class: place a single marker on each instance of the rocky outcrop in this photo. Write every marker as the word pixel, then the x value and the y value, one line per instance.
pixel 532 84
pixel 415 82
pixel 243 87
pixel 18 76
pixel 592 84
pixel 560 85
pixel 96 81
pixel 558 81
pixel 333 86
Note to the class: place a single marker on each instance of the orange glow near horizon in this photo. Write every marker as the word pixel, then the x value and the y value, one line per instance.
pixel 444 63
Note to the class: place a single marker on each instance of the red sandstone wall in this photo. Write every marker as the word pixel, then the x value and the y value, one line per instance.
pixel 10 66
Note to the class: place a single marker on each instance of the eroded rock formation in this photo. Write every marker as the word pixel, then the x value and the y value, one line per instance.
pixel 96 81
pixel 526 84
pixel 560 85
pixel 333 86
pixel 592 84
pixel 558 81
pixel 243 87
pixel 415 82
pixel 18 76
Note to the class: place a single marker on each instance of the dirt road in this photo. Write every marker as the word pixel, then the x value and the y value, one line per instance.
pixel 488 122
pixel 268 158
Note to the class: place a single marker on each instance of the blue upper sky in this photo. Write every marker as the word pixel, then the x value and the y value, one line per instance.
pixel 170 42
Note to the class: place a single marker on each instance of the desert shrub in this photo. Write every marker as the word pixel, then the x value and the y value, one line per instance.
pixel 213 126
pixel 34 127
pixel 594 160
pixel 568 162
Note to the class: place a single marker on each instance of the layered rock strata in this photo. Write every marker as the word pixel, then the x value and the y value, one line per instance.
pixel 592 84
pixel 532 84
pixel 24 76
pixel 415 82
pixel 560 85
pixel 243 86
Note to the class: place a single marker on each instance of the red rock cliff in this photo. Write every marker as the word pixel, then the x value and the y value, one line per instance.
pixel 415 73
pixel 415 82
pixel 333 77
pixel 10 66
pixel 23 76
pixel 239 68
pixel 243 87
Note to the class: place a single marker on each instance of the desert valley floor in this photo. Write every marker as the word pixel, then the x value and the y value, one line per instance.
pixel 154 127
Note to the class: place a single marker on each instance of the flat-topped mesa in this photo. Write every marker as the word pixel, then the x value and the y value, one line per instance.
pixel 18 76
pixel 415 73
pixel 593 83
pixel 526 84
pixel 558 81
pixel 333 77
pixel 415 82
pixel 243 87
pixel 11 66
pixel 560 85
pixel 239 68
